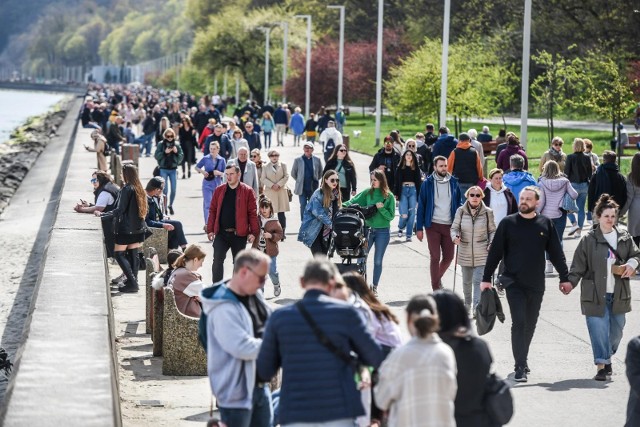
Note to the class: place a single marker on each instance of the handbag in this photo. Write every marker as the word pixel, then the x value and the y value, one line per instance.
pixel 350 359
pixel 498 400
pixel 569 205
pixel 289 194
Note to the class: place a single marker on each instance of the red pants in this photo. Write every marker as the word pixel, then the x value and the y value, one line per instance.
pixel 439 240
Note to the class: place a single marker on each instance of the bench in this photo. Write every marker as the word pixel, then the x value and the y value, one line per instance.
pixel 633 143
pixel 152 269
pixel 159 240
pixel 181 349
pixel 489 147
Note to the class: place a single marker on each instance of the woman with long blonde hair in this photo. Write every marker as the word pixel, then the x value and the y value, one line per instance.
pixel 128 217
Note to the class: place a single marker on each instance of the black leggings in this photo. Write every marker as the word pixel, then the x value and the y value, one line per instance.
pixel 283 220
pixel 130 264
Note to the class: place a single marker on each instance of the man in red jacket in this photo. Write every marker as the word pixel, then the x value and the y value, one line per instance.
pixel 233 220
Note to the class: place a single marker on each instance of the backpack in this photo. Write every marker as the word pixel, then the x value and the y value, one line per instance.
pixel 202 322
pixel 329 146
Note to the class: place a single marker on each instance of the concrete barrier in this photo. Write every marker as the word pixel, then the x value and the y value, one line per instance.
pixel 66 372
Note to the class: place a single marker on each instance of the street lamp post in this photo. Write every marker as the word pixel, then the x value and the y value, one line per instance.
pixel 340 54
pixel 379 71
pixel 267 32
pixel 526 45
pixel 307 91
pixel 285 54
pixel 445 63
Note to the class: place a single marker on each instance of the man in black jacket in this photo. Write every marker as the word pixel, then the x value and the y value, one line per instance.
pixel 114 135
pixel 523 275
pixel 252 137
pixel 609 180
pixel 633 375
pixel 155 218
pixel 387 160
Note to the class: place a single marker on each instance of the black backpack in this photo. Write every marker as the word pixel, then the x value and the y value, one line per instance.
pixel 202 323
pixel 329 146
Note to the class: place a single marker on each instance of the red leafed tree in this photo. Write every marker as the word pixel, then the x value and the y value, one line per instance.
pixel 359 84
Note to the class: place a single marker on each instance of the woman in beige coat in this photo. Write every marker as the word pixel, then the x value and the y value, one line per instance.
pixel 274 177
pixel 472 231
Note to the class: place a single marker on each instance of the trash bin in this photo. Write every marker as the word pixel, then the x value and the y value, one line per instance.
pixel 345 140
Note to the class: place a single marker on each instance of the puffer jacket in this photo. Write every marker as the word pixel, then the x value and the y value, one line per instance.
pixel 589 267
pixel 476 234
pixel 317 386
pixel 551 195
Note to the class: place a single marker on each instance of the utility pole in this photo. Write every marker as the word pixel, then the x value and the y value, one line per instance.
pixel 526 47
pixel 379 71
pixel 340 54
pixel 307 91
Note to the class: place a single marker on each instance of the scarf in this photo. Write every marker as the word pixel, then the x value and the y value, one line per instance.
pixel 555 154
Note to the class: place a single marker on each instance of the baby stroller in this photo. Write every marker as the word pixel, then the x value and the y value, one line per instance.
pixel 349 240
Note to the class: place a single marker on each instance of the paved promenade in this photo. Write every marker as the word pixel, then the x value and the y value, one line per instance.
pixel 560 391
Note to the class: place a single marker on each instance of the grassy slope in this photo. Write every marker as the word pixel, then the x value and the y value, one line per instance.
pixel 537 137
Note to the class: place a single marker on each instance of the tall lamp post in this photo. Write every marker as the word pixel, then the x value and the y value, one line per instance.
pixel 267 32
pixel 285 54
pixel 340 54
pixel 526 47
pixel 379 71
pixel 445 63
pixel 307 91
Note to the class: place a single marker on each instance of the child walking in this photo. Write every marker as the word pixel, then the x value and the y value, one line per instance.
pixel 270 234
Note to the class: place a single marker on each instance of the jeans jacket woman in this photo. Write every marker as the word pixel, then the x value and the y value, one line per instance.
pixel 314 217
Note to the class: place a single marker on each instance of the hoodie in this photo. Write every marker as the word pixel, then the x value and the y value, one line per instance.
pixel 552 194
pixel 429 193
pixel 466 166
pixel 516 180
pixel 505 155
pixel 232 349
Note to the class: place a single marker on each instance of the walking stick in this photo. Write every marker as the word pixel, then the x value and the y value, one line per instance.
pixel 455 270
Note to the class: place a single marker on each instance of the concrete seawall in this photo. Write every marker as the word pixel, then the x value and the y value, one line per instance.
pixel 65 372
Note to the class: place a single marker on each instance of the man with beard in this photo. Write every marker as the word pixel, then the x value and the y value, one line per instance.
pixel 523 275
pixel 438 201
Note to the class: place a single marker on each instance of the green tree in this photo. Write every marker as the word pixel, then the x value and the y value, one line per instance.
pixel 550 89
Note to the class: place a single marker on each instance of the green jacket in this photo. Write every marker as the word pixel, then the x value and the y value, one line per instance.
pixel 384 216
pixel 589 266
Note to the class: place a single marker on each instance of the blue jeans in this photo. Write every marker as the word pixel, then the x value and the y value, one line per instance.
pixel 145 141
pixel 463 189
pixel 407 208
pixel 267 140
pixel 378 237
pixel 304 199
pixel 169 176
pixel 471 278
pixel 605 333
pixel 273 271
pixel 560 224
pixel 583 189
pixel 260 414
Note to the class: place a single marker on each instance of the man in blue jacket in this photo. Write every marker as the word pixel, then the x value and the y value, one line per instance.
pixel 438 201
pixel 317 383
pixel 517 178
pixel 236 316
pixel 445 143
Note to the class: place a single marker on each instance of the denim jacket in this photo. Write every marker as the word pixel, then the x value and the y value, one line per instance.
pixel 315 216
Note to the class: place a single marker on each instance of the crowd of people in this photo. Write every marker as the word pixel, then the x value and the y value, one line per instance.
pixel 435 180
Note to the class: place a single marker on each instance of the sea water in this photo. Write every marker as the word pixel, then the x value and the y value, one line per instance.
pixel 16 106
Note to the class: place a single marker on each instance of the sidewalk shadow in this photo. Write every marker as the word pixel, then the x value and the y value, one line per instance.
pixel 149 368
pixel 202 417
pixel 283 301
pixel 397 303
pixel 564 385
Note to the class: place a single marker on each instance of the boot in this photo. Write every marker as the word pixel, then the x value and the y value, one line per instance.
pixel 123 262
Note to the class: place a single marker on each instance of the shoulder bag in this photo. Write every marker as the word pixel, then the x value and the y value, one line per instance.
pixel 349 359
pixel 498 400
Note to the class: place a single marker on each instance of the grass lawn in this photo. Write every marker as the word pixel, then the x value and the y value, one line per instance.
pixel 537 137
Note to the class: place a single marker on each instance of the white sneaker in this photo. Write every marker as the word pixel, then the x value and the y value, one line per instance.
pixel 578 233
pixel 400 232
pixel 573 229
pixel 549 269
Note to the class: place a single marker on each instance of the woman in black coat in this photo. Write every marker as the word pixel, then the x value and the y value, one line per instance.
pixel 343 165
pixel 187 136
pixel 128 219
pixel 473 360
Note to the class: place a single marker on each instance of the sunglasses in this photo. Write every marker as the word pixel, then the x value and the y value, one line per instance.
pixel 169 137
pixel 274 155
pixel 557 145
pixel 411 146
pixel 475 195
pixel 94 180
pixel 333 180
pixel 342 151
pixel 261 277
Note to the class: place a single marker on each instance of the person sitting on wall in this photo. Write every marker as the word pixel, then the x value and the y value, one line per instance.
pixel 155 218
